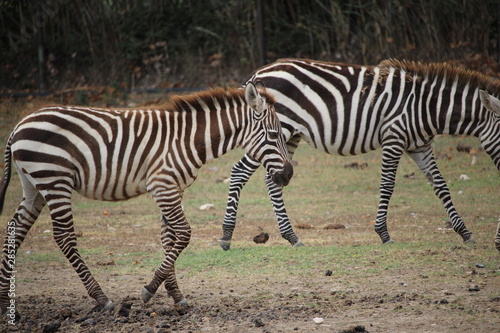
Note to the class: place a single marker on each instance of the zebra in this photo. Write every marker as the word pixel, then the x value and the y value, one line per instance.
pixel 399 106
pixel 117 154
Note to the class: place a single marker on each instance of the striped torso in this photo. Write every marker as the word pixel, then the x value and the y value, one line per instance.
pixel 349 110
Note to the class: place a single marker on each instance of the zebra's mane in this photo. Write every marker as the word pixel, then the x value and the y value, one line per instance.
pixel 181 102
pixel 462 75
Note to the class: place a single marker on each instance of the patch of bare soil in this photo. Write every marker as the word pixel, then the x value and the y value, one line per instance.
pixel 55 301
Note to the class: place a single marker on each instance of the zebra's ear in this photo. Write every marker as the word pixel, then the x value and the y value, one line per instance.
pixel 253 98
pixel 490 102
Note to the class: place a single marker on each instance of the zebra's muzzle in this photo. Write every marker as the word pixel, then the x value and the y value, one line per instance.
pixel 283 177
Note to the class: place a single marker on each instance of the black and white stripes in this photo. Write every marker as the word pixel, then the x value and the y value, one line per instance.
pixel 397 106
pixel 117 154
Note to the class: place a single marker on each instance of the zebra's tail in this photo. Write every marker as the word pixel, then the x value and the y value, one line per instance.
pixel 6 174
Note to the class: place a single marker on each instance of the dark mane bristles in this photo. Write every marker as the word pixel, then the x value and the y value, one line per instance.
pixel 462 75
pixel 179 102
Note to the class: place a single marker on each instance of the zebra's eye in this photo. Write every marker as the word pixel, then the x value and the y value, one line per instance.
pixel 273 135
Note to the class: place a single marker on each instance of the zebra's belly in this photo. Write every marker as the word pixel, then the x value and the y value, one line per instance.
pixel 337 147
pixel 116 191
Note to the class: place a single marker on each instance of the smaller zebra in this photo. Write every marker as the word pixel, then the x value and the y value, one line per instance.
pixel 118 154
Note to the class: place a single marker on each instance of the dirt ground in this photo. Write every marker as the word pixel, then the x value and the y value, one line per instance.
pixel 51 298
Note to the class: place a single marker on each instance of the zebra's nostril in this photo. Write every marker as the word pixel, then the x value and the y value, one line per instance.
pixel 283 177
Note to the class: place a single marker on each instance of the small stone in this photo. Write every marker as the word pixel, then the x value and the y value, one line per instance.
pixel 354 329
pixel 328 273
pixel 51 327
pixel 121 320
pixel 479 265
pixel 164 330
pixel 474 288
pixel 110 262
pixel 65 313
pixel 258 322
pixel 261 238
pixel 304 226
pixel 207 206
pixel 318 320
pixel 89 322
pixel 335 226
pixel 164 325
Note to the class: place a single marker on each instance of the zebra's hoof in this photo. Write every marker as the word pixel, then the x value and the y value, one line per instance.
pixel 145 295
pixel 390 241
pixel 298 244
pixel 181 307
pixel 182 302
pixel 226 245
pixel 108 306
pixel 470 240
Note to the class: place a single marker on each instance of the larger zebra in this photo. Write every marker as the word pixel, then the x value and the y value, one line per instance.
pixel 121 153
pixel 350 110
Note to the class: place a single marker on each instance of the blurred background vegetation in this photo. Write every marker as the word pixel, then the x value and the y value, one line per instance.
pixel 156 44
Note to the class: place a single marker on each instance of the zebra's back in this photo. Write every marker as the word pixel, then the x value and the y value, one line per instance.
pixel 102 154
pixel 321 101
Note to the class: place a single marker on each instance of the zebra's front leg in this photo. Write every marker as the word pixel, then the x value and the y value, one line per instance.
pixel 276 194
pixel 425 160
pixel 240 173
pixel 64 235
pixel 176 234
pixel 390 160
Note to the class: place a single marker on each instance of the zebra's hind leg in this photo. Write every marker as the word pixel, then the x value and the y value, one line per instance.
pixel 168 239
pixel 59 203
pixel 240 173
pixel 16 231
pixel 425 160
pixel 176 235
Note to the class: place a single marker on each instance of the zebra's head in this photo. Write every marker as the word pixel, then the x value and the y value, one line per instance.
pixel 267 143
pixel 490 136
